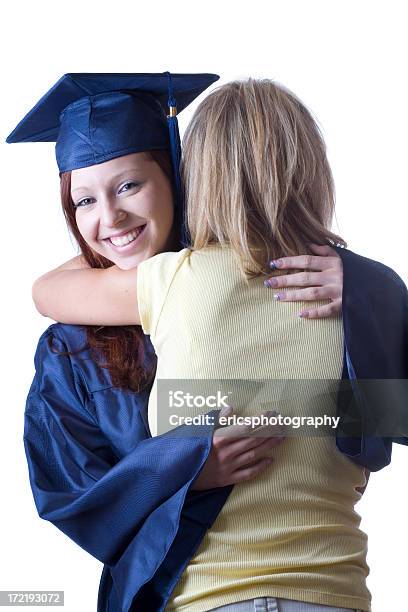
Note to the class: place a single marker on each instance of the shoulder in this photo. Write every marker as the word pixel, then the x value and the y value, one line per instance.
pixel 367 272
pixel 155 276
pixel 73 337
pixel 60 339
pixel 63 352
pixel 169 261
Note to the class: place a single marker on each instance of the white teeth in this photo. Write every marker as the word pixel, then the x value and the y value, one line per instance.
pixel 127 238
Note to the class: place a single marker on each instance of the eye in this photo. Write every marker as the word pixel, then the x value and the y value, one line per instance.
pixel 128 185
pixel 84 202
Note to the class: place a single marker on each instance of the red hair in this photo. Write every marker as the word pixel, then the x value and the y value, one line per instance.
pixel 119 349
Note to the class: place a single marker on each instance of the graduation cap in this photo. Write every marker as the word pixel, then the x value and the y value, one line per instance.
pixel 94 117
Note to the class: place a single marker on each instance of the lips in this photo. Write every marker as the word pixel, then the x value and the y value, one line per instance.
pixel 125 239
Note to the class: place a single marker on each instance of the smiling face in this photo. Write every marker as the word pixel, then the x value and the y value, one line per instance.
pixel 124 208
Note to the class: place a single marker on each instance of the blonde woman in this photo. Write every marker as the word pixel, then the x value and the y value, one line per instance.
pixel 258 187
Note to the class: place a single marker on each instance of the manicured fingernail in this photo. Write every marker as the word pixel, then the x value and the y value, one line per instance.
pixel 302 315
pixel 275 263
pixel 277 296
pixel 266 282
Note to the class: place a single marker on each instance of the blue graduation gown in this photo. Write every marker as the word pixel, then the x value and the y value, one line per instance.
pixel 125 497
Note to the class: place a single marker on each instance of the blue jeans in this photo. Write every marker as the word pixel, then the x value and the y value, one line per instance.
pixel 278 604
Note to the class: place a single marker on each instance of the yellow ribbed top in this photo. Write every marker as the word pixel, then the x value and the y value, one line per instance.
pixel 292 531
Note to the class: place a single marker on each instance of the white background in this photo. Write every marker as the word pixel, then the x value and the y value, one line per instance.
pixel 345 59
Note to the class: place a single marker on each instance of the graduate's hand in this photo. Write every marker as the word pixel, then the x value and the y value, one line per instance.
pixel 236 455
pixel 325 282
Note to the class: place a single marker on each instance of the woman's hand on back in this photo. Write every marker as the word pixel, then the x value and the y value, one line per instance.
pixel 323 280
pixel 237 456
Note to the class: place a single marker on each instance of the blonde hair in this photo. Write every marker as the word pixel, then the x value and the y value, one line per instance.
pixel 256 175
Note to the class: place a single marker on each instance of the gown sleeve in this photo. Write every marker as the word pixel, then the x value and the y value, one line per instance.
pixel 374 400
pixel 101 501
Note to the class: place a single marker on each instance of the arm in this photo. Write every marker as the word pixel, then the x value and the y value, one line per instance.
pixel 75 293
pixel 76 263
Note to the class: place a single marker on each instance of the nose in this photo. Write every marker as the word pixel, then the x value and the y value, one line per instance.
pixel 111 214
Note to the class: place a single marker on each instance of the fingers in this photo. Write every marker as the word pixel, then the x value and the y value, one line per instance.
pixel 249 472
pixel 328 310
pixel 253 455
pixel 328 292
pixel 304 262
pixel 224 412
pixel 235 448
pixel 240 455
pixel 325 284
pixel 224 434
pixel 300 279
